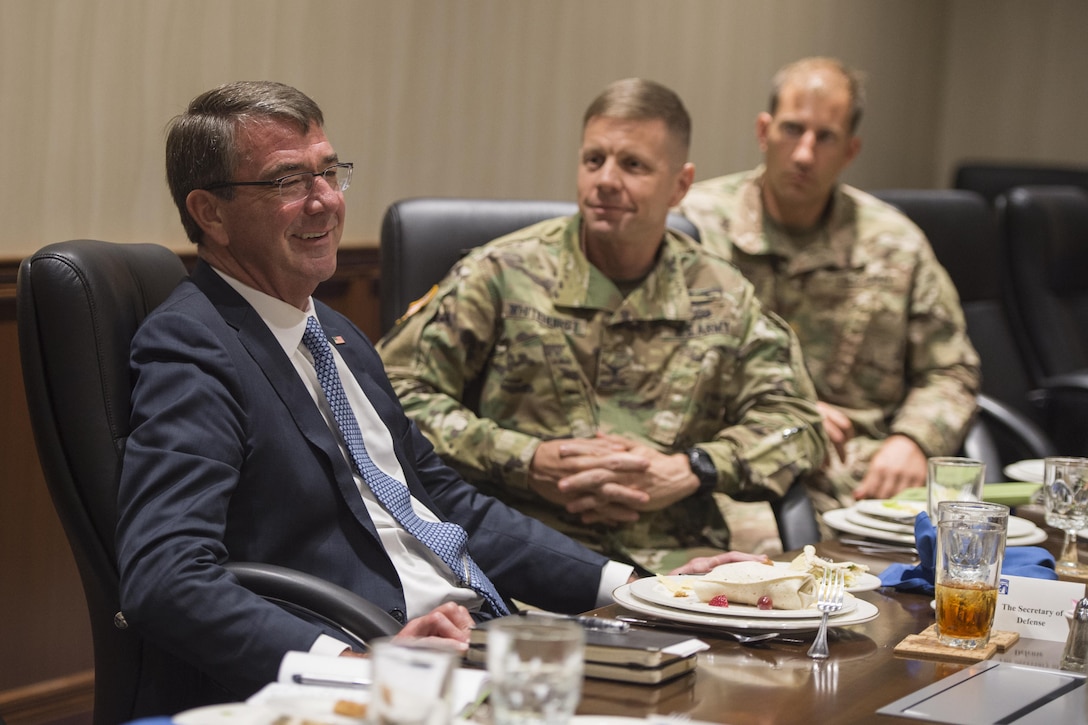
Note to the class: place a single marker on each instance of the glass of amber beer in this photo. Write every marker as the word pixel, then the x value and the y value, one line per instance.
pixel 970 549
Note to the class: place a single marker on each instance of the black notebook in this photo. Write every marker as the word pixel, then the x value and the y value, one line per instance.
pixel 636 655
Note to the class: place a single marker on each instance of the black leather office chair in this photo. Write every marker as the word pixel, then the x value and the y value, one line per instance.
pixel 78 305
pixel 1001 435
pixel 1044 231
pixel 992 179
pixel 961 229
pixel 422 238
pixel 963 233
pixel 1046 236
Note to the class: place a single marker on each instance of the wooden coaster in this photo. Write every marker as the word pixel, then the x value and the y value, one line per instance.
pixel 927 646
pixel 1003 640
pixel 1072 576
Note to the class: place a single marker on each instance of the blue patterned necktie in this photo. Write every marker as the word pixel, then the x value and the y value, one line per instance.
pixel 446 539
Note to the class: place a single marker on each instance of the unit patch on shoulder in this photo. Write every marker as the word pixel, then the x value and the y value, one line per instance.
pixel 419 304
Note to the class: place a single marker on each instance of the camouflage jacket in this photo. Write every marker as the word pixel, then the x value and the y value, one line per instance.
pixel 878 318
pixel 525 340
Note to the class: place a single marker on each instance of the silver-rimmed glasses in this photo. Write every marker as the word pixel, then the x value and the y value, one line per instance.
pixel 294 187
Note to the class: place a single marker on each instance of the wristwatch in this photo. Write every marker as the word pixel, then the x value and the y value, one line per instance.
pixel 704 470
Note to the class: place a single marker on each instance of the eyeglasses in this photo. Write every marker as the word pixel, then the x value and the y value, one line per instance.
pixel 295 187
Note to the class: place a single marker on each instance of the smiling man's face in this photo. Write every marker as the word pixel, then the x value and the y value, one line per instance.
pixel 630 173
pixel 282 248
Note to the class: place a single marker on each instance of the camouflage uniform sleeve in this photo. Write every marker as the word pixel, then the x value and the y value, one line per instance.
pixel 702 207
pixel 435 357
pixel 717 207
pixel 942 365
pixel 776 435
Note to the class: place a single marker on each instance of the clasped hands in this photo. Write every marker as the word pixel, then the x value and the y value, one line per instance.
pixel 609 479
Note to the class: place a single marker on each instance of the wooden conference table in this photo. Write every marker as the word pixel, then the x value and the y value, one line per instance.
pixel 777 682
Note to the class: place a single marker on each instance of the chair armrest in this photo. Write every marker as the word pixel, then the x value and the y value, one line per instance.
pixel 796 518
pixel 1063 404
pixel 358 618
pixel 1034 439
pixel 1076 382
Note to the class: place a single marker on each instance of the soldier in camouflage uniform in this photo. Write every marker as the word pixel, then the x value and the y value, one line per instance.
pixel 603 374
pixel 878 318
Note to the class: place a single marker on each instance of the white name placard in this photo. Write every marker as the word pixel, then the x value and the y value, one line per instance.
pixel 1036 608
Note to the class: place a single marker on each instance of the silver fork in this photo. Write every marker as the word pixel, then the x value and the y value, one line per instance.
pixel 829 599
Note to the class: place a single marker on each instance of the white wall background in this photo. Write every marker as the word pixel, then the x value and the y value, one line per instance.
pixel 485 97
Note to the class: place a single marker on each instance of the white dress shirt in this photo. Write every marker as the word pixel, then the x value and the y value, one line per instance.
pixel 425 578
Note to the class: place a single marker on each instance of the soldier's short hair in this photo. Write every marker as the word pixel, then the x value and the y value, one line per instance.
pixel 854 79
pixel 641 99
pixel 201 144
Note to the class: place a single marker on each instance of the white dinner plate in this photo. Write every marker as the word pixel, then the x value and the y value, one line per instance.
pixel 652 590
pixel 866 582
pixel 855 516
pixel 619 720
pixel 1018 527
pixel 839 519
pixel 235 713
pixel 863 612
pixel 890 508
pixel 863 582
pixel 316 708
pixel 1029 471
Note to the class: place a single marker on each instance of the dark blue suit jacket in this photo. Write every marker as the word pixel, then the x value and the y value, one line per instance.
pixel 229 459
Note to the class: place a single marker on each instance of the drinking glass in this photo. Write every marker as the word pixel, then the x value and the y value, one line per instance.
pixel 1065 496
pixel 952 478
pixel 411 682
pixel 970 550
pixel 535 669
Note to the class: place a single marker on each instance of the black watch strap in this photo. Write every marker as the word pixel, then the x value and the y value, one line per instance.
pixel 704 470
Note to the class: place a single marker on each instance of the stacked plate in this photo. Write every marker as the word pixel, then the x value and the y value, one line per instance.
pixel 1030 470
pixel 656 597
pixel 893 520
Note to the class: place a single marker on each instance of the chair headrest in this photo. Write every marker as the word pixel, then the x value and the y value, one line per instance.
pixel 80 302
pixel 962 231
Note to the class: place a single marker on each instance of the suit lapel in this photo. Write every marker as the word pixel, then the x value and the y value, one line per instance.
pixel 267 353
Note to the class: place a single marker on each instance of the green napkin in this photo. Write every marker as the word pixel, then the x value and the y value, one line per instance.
pixel 1010 494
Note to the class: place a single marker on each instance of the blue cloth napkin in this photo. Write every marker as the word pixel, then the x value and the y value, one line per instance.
pixel 1029 561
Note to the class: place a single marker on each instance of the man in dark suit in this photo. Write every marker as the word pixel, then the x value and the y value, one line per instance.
pixel 237 453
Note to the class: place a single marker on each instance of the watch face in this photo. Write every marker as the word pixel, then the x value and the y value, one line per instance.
pixel 704 469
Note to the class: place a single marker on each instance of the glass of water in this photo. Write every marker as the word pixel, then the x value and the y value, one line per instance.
pixel 952 478
pixel 412 682
pixel 1065 496
pixel 535 669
